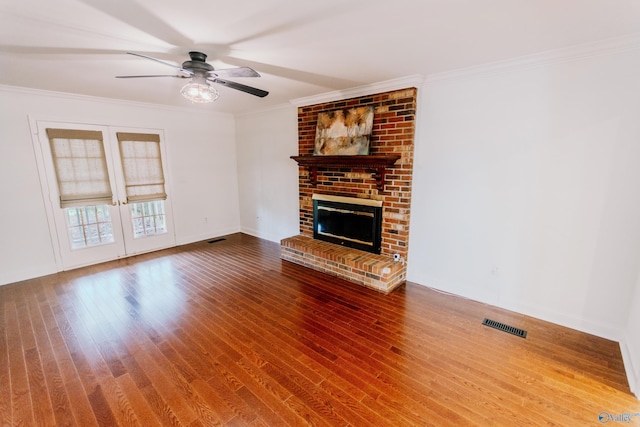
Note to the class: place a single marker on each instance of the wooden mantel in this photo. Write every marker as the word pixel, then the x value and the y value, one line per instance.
pixel 377 163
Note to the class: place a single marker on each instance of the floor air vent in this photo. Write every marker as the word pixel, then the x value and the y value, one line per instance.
pixel 505 328
pixel 216 240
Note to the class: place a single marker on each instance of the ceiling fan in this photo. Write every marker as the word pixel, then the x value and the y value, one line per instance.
pixel 201 75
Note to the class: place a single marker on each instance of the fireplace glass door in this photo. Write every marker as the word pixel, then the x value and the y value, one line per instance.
pixel 352 225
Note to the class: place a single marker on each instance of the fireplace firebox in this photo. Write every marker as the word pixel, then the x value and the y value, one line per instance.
pixel 348 221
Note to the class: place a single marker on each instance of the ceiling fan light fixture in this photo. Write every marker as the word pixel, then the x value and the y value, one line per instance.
pixel 199 92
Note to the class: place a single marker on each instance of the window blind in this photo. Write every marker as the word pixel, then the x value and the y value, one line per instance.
pixel 142 166
pixel 81 168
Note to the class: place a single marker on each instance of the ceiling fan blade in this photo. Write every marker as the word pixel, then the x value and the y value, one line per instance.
pixel 162 62
pixel 153 75
pixel 235 72
pixel 294 74
pixel 243 88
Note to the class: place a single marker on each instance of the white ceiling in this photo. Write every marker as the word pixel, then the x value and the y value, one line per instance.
pixel 301 48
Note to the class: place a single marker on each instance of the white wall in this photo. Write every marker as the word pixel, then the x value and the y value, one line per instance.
pixel 526 190
pixel 201 160
pixel 268 178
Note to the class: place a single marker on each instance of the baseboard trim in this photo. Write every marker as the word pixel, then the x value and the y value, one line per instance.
pixel 579 324
pixel 19 276
pixel 207 236
pixel 633 372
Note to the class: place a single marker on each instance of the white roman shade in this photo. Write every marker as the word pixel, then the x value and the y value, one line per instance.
pixel 142 166
pixel 80 166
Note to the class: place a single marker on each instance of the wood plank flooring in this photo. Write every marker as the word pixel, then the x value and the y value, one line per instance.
pixel 228 334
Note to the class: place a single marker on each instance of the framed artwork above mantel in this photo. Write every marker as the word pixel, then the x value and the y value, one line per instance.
pixel 344 132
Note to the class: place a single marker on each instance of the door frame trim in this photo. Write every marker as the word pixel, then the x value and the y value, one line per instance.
pixel 54 238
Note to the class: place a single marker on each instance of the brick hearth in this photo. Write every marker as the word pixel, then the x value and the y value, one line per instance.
pixel 393 133
pixel 377 272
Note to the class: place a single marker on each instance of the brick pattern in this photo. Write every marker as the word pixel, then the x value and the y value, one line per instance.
pixel 393 133
pixel 377 272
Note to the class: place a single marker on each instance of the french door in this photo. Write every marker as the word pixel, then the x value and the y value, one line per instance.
pixel 101 206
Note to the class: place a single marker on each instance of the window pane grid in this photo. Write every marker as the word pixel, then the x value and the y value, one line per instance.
pixel 89 226
pixel 148 218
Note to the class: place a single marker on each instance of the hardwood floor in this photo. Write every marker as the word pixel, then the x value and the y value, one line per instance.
pixel 228 334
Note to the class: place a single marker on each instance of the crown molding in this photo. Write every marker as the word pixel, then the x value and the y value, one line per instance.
pixel 401 83
pixel 576 52
pixel 112 101
pixel 572 53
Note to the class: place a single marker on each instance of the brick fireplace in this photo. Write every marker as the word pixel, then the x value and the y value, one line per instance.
pixel 393 134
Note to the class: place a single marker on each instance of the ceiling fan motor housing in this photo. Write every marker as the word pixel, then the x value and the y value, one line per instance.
pixel 197 62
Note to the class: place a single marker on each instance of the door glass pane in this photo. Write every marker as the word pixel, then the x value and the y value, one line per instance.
pixel 138 227
pixel 106 231
pixel 102 213
pixel 72 217
pixel 89 226
pixel 92 236
pixel 91 214
pixel 148 218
